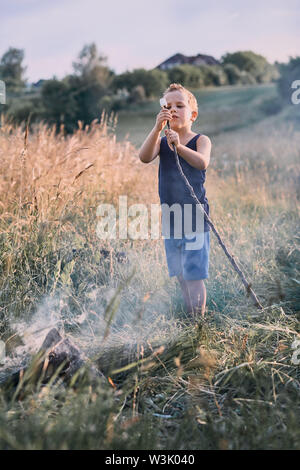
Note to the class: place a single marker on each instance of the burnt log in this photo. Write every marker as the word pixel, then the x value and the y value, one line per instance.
pixel 60 360
pixel 57 359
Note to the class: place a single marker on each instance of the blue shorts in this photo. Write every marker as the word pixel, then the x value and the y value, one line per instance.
pixel 188 257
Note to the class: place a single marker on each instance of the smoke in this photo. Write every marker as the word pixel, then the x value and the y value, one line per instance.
pixel 134 307
pixel 33 332
pixel 108 316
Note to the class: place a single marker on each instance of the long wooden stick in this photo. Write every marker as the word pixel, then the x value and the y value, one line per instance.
pixel 210 223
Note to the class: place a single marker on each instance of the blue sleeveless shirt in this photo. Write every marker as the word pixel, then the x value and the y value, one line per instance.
pixel 172 187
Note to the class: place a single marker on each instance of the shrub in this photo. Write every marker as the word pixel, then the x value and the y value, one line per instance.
pixel 288 74
pixel 233 74
pixel 215 76
pixel 188 75
pixel 153 81
pixel 138 94
pixel 255 64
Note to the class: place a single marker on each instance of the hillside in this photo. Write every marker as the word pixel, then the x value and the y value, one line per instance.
pixel 221 109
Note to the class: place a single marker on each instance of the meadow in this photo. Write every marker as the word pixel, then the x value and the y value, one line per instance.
pixel 230 381
pixel 221 109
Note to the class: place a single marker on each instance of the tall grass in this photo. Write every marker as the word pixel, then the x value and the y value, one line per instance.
pixel 229 383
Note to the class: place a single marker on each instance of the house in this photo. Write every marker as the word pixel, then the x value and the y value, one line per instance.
pixel 38 84
pixel 180 59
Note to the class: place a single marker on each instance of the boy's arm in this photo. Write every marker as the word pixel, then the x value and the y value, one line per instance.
pixel 198 159
pixel 150 148
pixel 201 158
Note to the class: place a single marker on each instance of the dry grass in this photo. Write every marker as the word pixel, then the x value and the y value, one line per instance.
pixel 231 383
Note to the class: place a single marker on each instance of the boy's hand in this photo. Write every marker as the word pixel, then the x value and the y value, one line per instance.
pixel 161 120
pixel 172 138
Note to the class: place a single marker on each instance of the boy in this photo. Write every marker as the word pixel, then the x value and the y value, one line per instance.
pixel 190 266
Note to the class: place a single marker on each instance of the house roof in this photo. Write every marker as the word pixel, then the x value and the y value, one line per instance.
pixel 180 59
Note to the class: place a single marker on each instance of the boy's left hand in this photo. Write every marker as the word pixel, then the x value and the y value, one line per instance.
pixel 172 138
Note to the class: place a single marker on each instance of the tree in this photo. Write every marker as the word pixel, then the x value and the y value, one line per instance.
pixel 59 103
pixel 198 76
pixel 137 94
pixel 90 82
pixel 233 74
pixel 178 74
pixel 11 69
pixel 215 76
pixel 255 64
pixel 91 64
pixel 188 75
pixel 88 60
pixel 153 81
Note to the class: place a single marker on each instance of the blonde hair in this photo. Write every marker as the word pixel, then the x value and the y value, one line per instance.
pixel 191 98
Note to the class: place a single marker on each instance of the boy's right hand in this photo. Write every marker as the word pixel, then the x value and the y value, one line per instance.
pixel 161 120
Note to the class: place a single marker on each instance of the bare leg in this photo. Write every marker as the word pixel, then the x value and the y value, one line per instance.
pixel 185 293
pixel 197 294
pixel 194 294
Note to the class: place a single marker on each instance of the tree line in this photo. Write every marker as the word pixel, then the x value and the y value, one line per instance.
pixel 93 87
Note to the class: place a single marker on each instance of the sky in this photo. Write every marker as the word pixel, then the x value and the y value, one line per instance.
pixel 138 33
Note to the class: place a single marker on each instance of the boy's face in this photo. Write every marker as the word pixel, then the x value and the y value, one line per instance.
pixel 183 116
